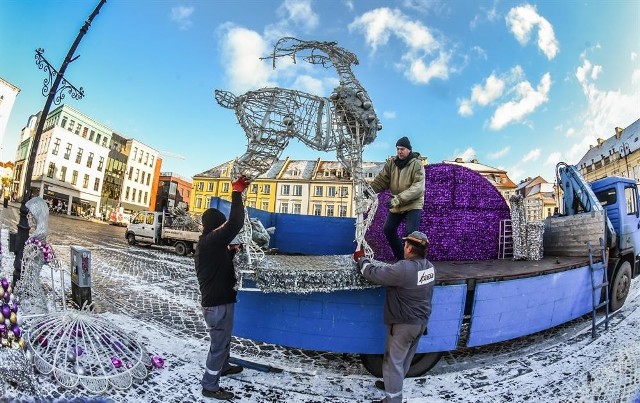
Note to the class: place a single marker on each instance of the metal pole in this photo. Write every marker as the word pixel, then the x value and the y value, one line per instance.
pixel 23 224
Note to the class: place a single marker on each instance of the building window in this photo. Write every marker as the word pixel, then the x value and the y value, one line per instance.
pixel 98 139
pixel 74 177
pixel 145 197
pixel 152 159
pixel 140 196
pixel 67 154
pixel 78 127
pixel 100 164
pixel 52 169
pixel 56 147
pixel 85 181
pixel 133 195
pixel 96 184
pixel 130 172
pixel 266 189
pixel 331 191
pixel 126 194
pixel 252 203
pixel 285 190
pixel 284 208
pixel 297 190
pixel 198 202
pixel 200 186
pixel 146 158
pixel 137 175
pixel 142 179
pixel 71 124
pixel 297 208
pixel 64 122
pixel 92 134
pixel 225 187
pixel 104 141
pixel 317 191
pixel 210 187
pixel 343 211
pixel 135 153
pixel 90 160
pixel 148 178
pixel 63 173
pixel 265 205
pixel 317 209
pixel 329 210
pixel 84 132
pixel 254 188
pixel 79 155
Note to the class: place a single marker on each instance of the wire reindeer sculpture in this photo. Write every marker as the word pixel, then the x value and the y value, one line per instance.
pixel 344 122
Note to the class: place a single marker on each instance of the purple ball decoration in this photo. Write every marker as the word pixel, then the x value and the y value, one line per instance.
pixel 14 307
pixel 157 361
pixel 79 351
pixel 43 341
pixel 6 296
pixel 6 311
pixel 3 329
pixel 16 330
pixel 4 282
pixel 116 362
pixel 461 216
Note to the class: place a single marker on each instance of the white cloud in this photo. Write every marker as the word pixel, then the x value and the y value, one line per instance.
pixel 300 13
pixel 491 91
pixel 481 52
pixel 526 100
pixel 522 20
pixel 532 155
pixel 424 58
pixel 349 4
pixel 389 114
pixel 426 6
pixel 634 56
pixel 309 84
pixel 241 52
pixel 571 132
pixel 605 109
pixel 553 158
pixel 485 15
pixel 466 155
pixel 182 16
pixel 499 154
pixel 596 72
pixel 466 108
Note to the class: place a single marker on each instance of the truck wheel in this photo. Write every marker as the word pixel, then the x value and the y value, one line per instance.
pixel 620 286
pixel 181 248
pixel 421 363
pixel 131 239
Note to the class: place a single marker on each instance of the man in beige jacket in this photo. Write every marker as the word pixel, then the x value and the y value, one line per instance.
pixel 403 175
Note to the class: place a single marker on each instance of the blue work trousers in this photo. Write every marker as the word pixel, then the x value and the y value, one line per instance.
pixel 391 224
pixel 219 320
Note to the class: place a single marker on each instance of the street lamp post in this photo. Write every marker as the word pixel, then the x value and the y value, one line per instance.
pixel 55 94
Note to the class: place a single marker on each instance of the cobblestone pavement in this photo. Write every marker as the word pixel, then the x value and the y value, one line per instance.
pixel 152 294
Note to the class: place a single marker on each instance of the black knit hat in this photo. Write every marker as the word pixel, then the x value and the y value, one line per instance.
pixel 404 142
pixel 212 219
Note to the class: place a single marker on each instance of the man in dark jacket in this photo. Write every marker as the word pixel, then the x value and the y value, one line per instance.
pixel 217 279
pixel 403 175
pixel 407 308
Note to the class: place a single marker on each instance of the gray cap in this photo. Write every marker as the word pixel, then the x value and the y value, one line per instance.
pixel 418 239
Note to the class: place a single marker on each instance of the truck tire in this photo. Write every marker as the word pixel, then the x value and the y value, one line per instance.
pixel 181 248
pixel 131 239
pixel 620 286
pixel 420 365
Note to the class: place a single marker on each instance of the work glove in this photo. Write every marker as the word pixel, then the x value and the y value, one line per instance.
pixel 357 255
pixel 393 202
pixel 240 184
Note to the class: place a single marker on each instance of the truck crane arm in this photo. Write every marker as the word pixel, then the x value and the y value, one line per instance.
pixel 578 196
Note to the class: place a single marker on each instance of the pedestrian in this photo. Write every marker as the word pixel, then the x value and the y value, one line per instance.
pixel 407 308
pixel 403 175
pixel 217 280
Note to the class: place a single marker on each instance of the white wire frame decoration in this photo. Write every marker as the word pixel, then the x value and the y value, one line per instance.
pixel 344 122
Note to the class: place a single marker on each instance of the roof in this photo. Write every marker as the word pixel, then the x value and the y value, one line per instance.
pixel 628 142
pixel 299 169
pixel 476 166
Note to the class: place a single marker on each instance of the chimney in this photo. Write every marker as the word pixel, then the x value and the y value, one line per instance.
pixel 619 131
pixel 475 160
pixel 458 159
pixel 600 141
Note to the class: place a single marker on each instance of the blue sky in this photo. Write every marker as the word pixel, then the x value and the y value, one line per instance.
pixel 517 85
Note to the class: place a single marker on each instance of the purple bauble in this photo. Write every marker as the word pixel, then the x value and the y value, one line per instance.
pixel 79 351
pixel 14 307
pixel 116 362
pixel 461 216
pixel 6 311
pixel 6 296
pixel 3 329
pixel 4 282
pixel 16 330
pixel 157 361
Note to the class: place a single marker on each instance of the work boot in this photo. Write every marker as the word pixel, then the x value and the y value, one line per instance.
pixel 233 369
pixel 380 385
pixel 219 394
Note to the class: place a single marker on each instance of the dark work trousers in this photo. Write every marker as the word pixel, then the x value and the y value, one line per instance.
pixel 400 347
pixel 219 320
pixel 391 225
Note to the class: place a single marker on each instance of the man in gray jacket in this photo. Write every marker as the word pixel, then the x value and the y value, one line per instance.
pixel 403 175
pixel 407 308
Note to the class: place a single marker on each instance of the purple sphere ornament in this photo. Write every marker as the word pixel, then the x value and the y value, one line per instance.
pixel 14 307
pixel 157 361
pixel 4 282
pixel 6 311
pixel 129 365
pixel 116 362
pixel 16 331
pixel 3 329
pixel 43 341
pixel 6 296
pixel 79 351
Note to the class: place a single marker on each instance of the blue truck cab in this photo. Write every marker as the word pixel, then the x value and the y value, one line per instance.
pixel 619 197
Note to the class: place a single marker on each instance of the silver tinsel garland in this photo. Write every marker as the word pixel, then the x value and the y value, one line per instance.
pixel 15 368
